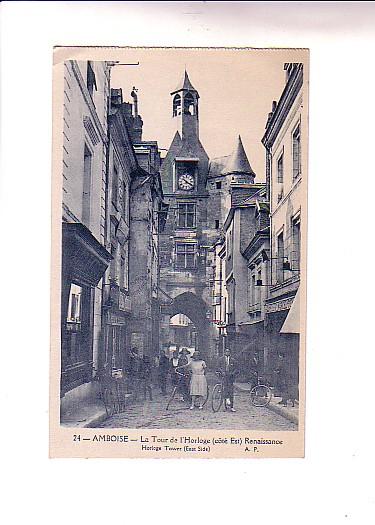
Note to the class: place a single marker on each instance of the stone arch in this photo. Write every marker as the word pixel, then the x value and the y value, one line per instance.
pixel 177 105
pixel 195 308
pixel 189 104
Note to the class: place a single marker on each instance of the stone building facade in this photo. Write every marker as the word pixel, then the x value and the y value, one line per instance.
pixel 257 255
pixel 112 211
pixel 241 225
pixel 285 135
pixel 146 222
pixel 84 254
pixel 134 203
pixel 122 166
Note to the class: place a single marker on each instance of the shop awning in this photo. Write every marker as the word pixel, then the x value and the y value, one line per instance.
pixel 84 259
pixel 292 322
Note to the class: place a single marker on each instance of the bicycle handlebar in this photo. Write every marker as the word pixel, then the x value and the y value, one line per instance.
pixel 177 372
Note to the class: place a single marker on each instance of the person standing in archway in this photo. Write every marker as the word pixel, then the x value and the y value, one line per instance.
pixel 198 382
pixel 228 369
pixel 184 360
pixel 164 367
pixel 134 372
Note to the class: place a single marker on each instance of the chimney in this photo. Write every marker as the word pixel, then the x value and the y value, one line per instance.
pixel 116 97
pixel 135 101
pixel 270 115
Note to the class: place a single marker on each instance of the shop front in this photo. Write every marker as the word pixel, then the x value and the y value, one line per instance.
pixel 84 261
pixel 116 313
pixel 252 347
pixel 277 341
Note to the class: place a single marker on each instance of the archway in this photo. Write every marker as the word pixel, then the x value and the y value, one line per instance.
pixel 182 332
pixel 195 309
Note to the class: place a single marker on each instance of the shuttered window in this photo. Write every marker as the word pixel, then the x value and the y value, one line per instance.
pixel 280 169
pixel 296 153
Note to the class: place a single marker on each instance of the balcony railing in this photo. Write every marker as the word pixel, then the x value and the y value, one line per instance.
pixel 254 308
pixel 125 303
pixel 118 299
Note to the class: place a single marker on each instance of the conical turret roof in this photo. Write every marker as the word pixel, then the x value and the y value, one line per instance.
pixel 184 85
pixel 238 161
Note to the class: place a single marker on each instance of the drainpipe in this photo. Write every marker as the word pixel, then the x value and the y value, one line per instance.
pixel 102 355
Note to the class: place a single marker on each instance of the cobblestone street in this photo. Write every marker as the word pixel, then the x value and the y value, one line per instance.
pixel 153 414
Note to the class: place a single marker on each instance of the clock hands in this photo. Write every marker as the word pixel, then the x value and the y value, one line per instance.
pixel 186 181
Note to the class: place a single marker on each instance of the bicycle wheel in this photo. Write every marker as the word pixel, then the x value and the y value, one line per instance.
pixel 109 401
pixel 116 401
pixel 174 391
pixel 260 395
pixel 121 392
pixel 207 396
pixel 217 397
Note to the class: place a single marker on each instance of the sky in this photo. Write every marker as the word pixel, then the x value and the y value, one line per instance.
pixel 236 89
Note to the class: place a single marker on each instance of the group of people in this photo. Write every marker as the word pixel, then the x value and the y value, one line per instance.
pixel 188 373
pixel 284 381
pixel 190 376
pixel 140 371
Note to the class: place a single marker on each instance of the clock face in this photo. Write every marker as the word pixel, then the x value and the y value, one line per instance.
pixel 186 181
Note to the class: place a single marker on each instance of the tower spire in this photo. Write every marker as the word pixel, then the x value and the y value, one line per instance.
pixel 238 161
pixel 185 85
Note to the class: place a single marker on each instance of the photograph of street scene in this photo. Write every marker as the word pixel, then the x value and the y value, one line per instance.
pixel 183 239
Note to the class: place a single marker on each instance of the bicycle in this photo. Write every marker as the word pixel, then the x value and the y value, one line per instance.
pixel 261 393
pixel 218 393
pixel 177 388
pixel 113 393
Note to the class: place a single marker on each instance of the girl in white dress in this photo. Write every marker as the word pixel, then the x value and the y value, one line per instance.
pixel 198 382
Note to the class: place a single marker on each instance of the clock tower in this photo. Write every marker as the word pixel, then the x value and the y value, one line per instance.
pixel 185 241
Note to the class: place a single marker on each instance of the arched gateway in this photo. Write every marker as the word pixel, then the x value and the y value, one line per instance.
pixel 196 309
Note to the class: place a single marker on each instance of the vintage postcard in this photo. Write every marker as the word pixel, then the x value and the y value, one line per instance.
pixel 179 252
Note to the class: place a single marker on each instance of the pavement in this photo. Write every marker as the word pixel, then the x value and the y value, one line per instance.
pixel 84 410
pixel 90 414
pixel 289 412
pixel 153 414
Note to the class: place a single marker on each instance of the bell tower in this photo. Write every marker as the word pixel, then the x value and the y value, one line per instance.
pixel 185 109
pixel 184 245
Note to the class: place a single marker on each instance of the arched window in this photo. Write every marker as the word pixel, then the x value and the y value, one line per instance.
pixel 189 104
pixel 177 105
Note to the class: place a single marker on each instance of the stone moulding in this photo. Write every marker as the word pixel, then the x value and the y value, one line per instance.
pixel 88 100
